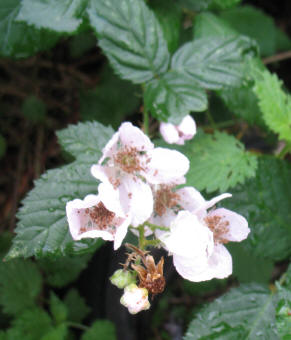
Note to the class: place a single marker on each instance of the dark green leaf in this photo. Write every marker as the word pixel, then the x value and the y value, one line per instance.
pixel 58 309
pixel 20 285
pixel 223 4
pixel 254 23
pixel 81 43
pixel 17 39
pixel 62 271
pixel 194 5
pixel 218 162
pixel 214 62
pixel 59 333
pixel 73 299
pixel 283 42
pixel 85 141
pixel 131 37
pixel 101 329
pixel 245 313
pixel 265 202
pixel 111 101
pixel 173 96
pixel 60 16
pixel 34 109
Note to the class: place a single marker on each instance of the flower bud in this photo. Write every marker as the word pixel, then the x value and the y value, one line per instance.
pixel 135 299
pixel 122 278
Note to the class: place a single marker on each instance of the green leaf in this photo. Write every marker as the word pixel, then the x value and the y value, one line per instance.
pixel 265 202
pixel 111 101
pixel 85 141
pixel 73 299
pixel 170 18
pixel 214 62
pixel 59 333
pixel 255 24
pixel 283 42
pixel 17 39
pixel 81 43
pixel 58 309
pixel 64 270
pixel 208 24
pixel 20 285
pixel 131 37
pixel 223 4
pixel 34 109
pixel 245 313
pixel 218 162
pixel 194 5
pixel 274 103
pixel 60 16
pixel 101 329
pixel 174 96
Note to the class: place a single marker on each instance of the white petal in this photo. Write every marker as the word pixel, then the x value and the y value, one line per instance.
pixel 169 133
pixel 133 136
pixel 201 211
pixel 105 235
pixel 110 198
pixel 99 172
pixel 238 225
pixel 137 199
pixel 219 266
pixel 188 237
pixel 190 198
pixel 164 221
pixel 110 147
pixel 187 127
pixel 121 232
pixel 166 166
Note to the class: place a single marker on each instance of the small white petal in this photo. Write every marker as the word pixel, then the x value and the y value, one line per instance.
pixel 132 136
pixel 121 232
pixel 190 198
pixel 166 166
pixel 219 266
pixel 187 128
pixel 110 147
pixel 238 229
pixel 110 198
pixel 202 210
pixel 169 133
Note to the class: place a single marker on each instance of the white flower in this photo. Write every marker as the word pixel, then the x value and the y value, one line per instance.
pixel 130 162
pixel 225 226
pixel 135 299
pixel 98 216
pixel 177 134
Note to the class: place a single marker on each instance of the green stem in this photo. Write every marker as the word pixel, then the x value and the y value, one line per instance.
pixel 141 239
pixel 145 121
pixel 154 242
pixel 154 226
pixel 211 120
pixel 220 125
pixel 77 325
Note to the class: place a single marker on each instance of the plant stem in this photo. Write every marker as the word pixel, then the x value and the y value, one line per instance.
pixel 211 120
pixel 154 226
pixel 220 125
pixel 77 325
pixel 145 121
pixel 277 57
pixel 141 239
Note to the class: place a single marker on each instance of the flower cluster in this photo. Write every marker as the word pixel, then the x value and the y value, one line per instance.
pixel 138 192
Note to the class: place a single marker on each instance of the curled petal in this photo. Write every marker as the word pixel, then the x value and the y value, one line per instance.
pixel 133 137
pixel 166 166
pixel 169 133
pixel 202 210
pixel 238 229
pixel 110 198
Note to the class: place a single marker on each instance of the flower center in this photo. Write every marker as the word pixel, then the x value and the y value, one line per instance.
pixel 165 198
pixel 219 228
pixel 128 159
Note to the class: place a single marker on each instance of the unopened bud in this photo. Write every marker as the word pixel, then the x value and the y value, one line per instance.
pixel 135 299
pixel 122 278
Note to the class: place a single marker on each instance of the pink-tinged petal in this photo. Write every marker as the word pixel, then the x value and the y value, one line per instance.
pixel 137 199
pixel 188 237
pixel 110 198
pixel 190 198
pixel 238 229
pixel 99 172
pixel 169 133
pixel 105 235
pixel 187 128
pixel 202 210
pixel 166 166
pixel 219 265
pixel 164 221
pixel 121 232
pixel 133 137
pixel 110 147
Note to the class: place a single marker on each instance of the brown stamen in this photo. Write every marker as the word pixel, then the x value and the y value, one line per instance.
pixel 101 216
pixel 165 198
pixel 219 228
pixel 128 159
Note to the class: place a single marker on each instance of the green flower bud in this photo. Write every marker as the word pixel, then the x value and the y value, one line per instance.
pixel 122 278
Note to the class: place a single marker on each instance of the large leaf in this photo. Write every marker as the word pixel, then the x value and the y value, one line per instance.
pixel 101 329
pixel 173 96
pixel 274 103
pixel 131 37
pixel 214 62
pixel 20 285
pixel 245 313
pixel 218 162
pixel 17 39
pixel 265 202
pixel 73 299
pixel 42 228
pixel 59 16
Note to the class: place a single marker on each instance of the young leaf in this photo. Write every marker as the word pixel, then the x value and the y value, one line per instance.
pixel 58 333
pixel 265 202
pixel 173 96
pixel 218 162
pixel 20 285
pixel 255 24
pixel 101 329
pixel 60 16
pixel 18 40
pixel 274 103
pixel 247 312
pixel 58 309
pixel 73 299
pixel 214 62
pixel 131 37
